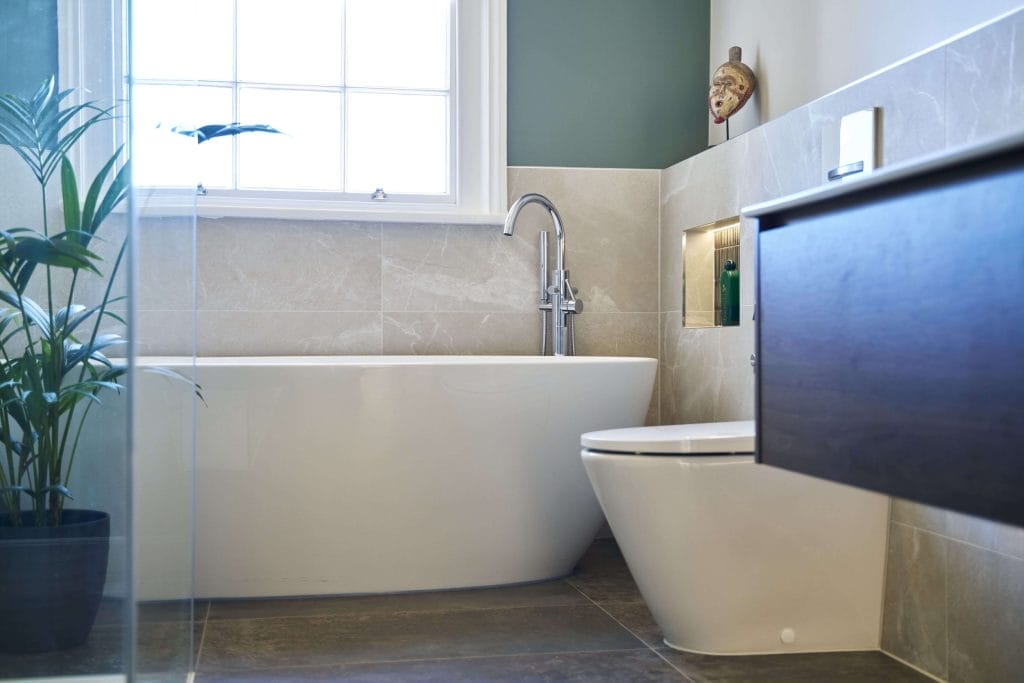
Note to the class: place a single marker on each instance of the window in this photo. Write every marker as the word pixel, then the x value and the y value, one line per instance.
pixel 402 95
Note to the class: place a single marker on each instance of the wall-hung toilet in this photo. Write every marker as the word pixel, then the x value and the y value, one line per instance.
pixel 734 557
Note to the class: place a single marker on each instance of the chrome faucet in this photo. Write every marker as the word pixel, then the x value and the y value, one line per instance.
pixel 557 297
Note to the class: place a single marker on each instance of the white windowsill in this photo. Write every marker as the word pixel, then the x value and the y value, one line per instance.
pixel 310 210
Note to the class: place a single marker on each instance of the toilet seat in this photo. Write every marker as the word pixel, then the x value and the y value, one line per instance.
pixel 711 439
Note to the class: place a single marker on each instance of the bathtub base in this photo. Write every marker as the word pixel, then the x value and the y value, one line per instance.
pixel 357 475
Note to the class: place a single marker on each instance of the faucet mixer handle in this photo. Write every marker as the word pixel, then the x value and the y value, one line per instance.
pixel 542 247
pixel 570 304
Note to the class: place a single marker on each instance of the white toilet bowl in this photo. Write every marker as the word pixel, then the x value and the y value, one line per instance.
pixel 734 557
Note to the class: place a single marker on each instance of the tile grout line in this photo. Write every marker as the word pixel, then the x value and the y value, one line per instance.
pixel 913 666
pixel 630 631
pixel 202 638
pixel 945 601
pixel 460 658
pixel 401 612
pixel 958 540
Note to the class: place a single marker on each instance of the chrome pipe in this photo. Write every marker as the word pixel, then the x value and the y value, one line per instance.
pixel 559 301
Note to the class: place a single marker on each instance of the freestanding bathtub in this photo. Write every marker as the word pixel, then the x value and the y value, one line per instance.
pixel 341 475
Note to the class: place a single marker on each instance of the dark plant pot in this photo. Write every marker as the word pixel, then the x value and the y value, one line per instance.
pixel 51 580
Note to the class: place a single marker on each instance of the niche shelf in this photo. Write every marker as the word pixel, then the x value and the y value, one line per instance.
pixel 706 248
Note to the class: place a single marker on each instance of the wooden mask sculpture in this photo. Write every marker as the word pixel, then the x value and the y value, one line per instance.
pixel 731 87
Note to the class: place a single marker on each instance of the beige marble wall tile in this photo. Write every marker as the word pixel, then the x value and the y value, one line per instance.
pixel 984 533
pixel 912 99
pixel 985 82
pixel 782 157
pixel 611 231
pixel 914 618
pixel 164 333
pixel 617 334
pixel 272 265
pixel 430 333
pixel 165 253
pixel 288 333
pixel 706 187
pixel 986 615
pixel 457 268
pixel 676 218
pixel 1001 538
pixel 918 515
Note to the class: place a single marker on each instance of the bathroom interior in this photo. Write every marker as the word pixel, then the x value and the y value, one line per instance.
pixel 454 340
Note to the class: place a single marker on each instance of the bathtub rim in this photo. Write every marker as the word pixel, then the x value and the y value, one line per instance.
pixel 384 360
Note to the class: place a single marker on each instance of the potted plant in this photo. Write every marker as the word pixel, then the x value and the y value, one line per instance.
pixel 53 372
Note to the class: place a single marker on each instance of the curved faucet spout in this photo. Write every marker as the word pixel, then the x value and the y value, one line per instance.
pixel 534 198
pixel 557 298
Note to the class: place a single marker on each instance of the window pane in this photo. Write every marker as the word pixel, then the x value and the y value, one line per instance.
pixel 159 47
pixel 295 42
pixel 307 156
pixel 397 43
pixel 161 156
pixel 398 142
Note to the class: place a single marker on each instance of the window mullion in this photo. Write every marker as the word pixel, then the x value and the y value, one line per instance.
pixel 235 151
pixel 344 95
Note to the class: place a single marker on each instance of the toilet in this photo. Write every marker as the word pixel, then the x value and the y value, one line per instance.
pixel 734 557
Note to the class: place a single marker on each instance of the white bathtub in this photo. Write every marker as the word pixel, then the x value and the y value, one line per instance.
pixel 334 475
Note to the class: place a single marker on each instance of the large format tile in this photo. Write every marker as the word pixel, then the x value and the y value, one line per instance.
pixel 602 575
pixel 457 268
pixel 637 618
pixel 985 533
pixel 705 372
pixel 918 515
pixel 986 615
pixel 102 653
pixel 914 617
pixel 610 218
pixel 239 644
pixel 165 251
pixel 548 593
pixel 288 333
pixel 912 101
pixel 271 265
pixel 492 333
pixel 834 667
pixel 617 334
pixel 639 666
pixel 985 82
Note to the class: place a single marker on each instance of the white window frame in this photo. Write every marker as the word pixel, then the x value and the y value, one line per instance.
pixel 478 194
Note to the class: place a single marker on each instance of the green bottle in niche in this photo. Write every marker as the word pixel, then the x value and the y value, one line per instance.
pixel 729 284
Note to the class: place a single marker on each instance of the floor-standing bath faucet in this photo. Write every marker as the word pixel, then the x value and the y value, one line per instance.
pixel 557 295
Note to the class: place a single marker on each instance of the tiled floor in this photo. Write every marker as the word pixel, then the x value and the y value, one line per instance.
pixel 591 626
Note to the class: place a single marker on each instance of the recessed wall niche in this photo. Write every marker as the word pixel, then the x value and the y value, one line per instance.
pixel 711 274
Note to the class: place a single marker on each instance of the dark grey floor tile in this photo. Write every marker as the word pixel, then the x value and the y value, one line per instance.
pixel 163 646
pixel 102 653
pixel 637 618
pixel 834 667
pixel 173 610
pixel 112 611
pixel 537 594
pixel 639 666
pixel 602 574
pixel 232 644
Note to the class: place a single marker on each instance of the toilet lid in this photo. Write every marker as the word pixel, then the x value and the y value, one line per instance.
pixel 709 438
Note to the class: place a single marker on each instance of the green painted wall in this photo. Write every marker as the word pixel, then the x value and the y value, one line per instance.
pixel 607 83
pixel 28 44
